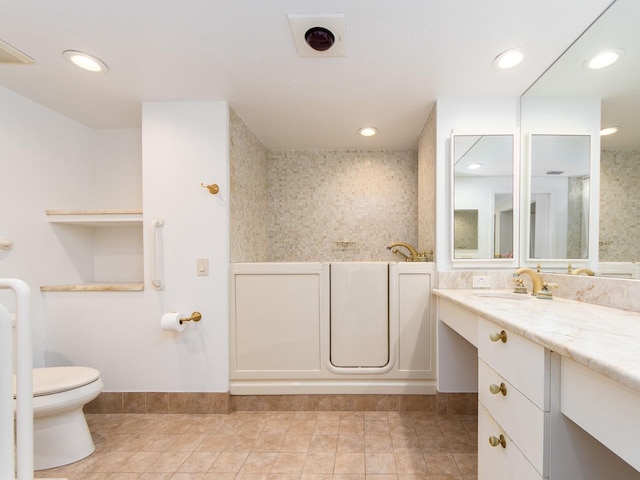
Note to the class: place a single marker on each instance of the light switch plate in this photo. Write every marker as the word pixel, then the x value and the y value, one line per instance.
pixel 202 267
pixel 481 281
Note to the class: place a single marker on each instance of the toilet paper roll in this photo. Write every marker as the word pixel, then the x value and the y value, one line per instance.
pixel 171 322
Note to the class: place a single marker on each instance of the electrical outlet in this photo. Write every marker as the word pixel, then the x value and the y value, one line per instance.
pixel 481 281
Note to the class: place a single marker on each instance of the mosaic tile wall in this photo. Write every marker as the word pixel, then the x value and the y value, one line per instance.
pixel 248 163
pixel 320 198
pixel 574 233
pixel 619 205
pixel 426 184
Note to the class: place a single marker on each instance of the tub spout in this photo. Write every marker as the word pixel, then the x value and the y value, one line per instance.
pixel 413 253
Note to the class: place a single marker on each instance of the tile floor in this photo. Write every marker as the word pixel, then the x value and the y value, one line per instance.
pixel 279 445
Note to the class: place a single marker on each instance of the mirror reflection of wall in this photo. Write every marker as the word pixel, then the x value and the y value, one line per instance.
pixel 483 184
pixel 559 196
pixel 465 227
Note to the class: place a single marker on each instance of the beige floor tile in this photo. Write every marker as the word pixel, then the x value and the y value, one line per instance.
pixel 295 443
pixel 353 443
pixel 323 443
pixel 228 462
pixel 169 462
pixel 350 463
pixel 199 462
pixel 380 463
pixel 441 463
pixel 410 464
pixel 258 462
pixel 378 443
pixel 212 443
pixel 351 427
pixel 268 443
pixel 279 445
pixel 376 427
pixel 139 462
pixel 289 462
pixel 467 463
pixel 302 427
pixel 319 463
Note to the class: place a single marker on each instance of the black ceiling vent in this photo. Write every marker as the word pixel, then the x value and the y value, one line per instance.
pixel 319 38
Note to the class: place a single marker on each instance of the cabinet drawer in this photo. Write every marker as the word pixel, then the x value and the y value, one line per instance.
pixel 461 320
pixel 498 463
pixel 523 363
pixel 525 423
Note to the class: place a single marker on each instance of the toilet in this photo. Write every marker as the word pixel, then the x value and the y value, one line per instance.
pixel 60 431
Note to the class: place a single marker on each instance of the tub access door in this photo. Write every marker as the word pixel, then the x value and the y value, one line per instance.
pixel 359 314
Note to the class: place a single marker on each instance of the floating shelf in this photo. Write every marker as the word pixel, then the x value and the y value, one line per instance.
pixel 95 218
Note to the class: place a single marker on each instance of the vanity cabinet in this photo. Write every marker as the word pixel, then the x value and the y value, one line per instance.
pixel 541 415
pixel 513 386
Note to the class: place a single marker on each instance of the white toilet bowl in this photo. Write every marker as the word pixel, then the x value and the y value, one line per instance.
pixel 60 431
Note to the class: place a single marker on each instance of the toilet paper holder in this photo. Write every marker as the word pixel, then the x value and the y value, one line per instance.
pixel 195 317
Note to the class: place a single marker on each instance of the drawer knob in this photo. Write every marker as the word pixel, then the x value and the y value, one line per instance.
pixel 495 441
pixel 495 336
pixel 495 389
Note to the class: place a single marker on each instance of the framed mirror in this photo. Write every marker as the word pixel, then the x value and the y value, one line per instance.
pixel 484 199
pixel 558 197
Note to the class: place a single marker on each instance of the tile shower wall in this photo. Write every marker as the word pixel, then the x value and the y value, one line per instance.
pixel 426 184
pixel 619 205
pixel 318 199
pixel 249 206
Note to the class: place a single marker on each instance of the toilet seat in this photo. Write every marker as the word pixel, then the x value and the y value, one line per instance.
pixel 52 380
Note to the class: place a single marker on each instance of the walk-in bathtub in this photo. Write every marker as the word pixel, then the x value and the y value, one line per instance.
pixel 330 328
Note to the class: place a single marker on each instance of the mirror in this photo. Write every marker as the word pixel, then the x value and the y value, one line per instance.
pixel 617 91
pixel 559 178
pixel 483 188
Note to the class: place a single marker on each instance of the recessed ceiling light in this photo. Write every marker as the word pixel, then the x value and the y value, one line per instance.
pixel 609 131
pixel 474 166
pixel 368 131
pixel 555 172
pixel 85 61
pixel 509 59
pixel 604 59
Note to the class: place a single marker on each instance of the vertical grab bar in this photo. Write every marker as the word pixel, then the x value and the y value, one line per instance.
pixel 156 253
pixel 24 387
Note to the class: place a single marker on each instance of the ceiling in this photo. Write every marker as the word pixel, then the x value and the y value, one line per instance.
pixel 618 85
pixel 400 57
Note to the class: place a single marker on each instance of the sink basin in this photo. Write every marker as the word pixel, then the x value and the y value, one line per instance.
pixel 505 295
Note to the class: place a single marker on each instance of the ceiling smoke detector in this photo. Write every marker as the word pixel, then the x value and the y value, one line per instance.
pixel 319 35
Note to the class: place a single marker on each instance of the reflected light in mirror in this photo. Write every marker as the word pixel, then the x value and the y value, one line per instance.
pixel 609 131
pixel 604 59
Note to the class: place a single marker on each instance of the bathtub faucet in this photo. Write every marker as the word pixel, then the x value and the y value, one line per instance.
pixel 413 253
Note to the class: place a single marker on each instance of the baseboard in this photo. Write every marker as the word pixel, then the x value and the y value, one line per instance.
pixel 224 403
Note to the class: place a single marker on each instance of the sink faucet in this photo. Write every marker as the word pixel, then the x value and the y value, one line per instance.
pixel 413 253
pixel 536 279
pixel 585 270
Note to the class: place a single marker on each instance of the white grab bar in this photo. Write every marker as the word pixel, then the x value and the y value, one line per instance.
pixel 24 385
pixel 155 253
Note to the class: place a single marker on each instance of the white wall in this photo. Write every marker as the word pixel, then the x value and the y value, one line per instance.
pixel 51 162
pixel 43 158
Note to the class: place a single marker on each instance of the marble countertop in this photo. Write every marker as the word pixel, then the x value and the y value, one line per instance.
pixel 604 339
